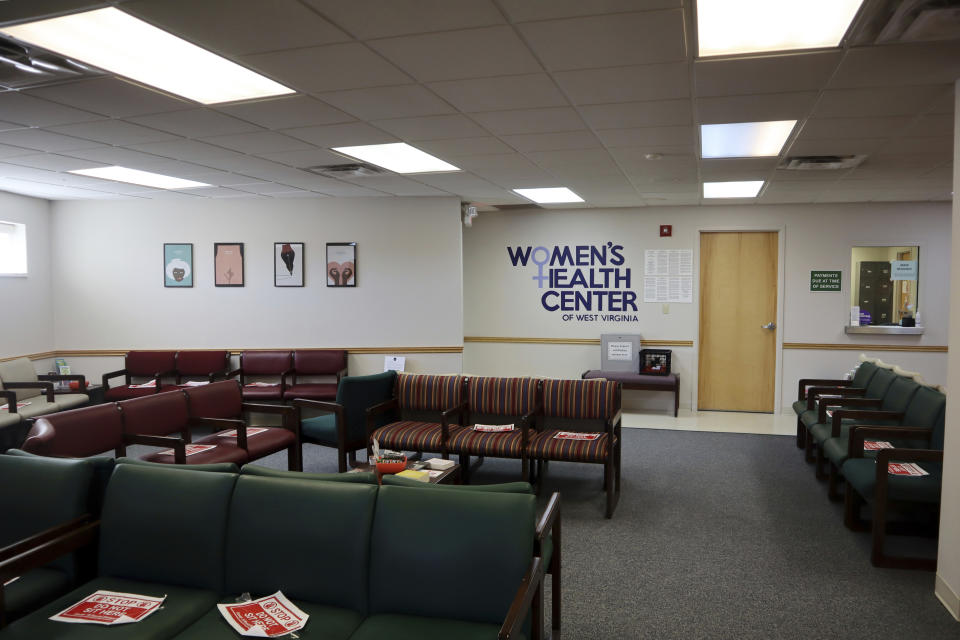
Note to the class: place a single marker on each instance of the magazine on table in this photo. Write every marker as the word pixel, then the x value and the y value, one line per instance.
pixel 109 608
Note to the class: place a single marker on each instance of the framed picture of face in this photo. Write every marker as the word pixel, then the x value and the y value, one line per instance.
pixel 341 264
pixel 288 264
pixel 228 264
pixel 177 264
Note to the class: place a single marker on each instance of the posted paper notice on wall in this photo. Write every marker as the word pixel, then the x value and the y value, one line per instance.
pixel 620 351
pixel 668 275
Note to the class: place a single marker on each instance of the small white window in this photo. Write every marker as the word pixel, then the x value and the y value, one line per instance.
pixel 13 249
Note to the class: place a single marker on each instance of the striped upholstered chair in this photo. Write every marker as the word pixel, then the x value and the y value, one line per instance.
pixel 582 406
pixel 496 401
pixel 422 408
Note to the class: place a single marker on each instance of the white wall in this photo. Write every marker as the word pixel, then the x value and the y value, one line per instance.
pixel 503 300
pixel 26 309
pixel 948 563
pixel 108 285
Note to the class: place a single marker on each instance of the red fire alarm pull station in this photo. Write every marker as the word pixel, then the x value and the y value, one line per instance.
pixel 666 230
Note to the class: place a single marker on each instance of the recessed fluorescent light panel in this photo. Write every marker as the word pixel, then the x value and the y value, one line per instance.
pixel 729 27
pixel 747 189
pixel 744 139
pixel 398 157
pixel 119 43
pixel 549 195
pixel 135 176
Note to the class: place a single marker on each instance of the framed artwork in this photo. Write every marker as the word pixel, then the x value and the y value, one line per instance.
pixel 341 264
pixel 177 264
pixel 228 264
pixel 288 264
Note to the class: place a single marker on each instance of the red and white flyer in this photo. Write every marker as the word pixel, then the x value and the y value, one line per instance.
pixel 110 607
pixel 191 449
pixel 575 435
pixel 262 384
pixel 251 431
pixel 905 469
pixel 876 445
pixel 195 383
pixel 20 405
pixel 146 385
pixel 266 617
pixel 492 428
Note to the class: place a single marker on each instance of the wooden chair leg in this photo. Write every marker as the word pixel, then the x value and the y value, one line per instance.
pixel 852 502
pixel 352 459
pixel 611 494
pixel 294 458
pixel 801 434
pixel 536 614
pixel 833 482
pixel 808 448
pixel 879 531
pixel 555 572
pixel 818 469
pixel 342 460
pixel 465 468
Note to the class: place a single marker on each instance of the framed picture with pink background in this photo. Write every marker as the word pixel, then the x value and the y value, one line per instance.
pixel 228 264
pixel 341 264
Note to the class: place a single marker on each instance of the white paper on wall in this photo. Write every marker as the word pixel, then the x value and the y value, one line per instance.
pixel 668 275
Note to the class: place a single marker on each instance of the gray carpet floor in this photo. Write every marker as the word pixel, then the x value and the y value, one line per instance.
pixel 725 536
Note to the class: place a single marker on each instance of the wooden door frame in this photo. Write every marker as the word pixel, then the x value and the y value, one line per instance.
pixel 780 230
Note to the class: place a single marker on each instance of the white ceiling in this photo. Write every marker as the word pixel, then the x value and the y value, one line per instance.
pixel 518 93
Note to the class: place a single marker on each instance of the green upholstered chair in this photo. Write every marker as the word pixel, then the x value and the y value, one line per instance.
pixel 321 560
pixel 810 388
pixel 39 495
pixel 487 537
pixel 344 426
pixel 360 477
pixel 924 410
pixel 868 482
pixel 161 533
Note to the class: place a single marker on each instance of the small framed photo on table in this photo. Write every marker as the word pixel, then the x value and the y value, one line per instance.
pixel 341 264
pixel 177 264
pixel 228 264
pixel 288 264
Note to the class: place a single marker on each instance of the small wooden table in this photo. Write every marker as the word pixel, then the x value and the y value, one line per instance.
pixel 642 382
pixel 447 476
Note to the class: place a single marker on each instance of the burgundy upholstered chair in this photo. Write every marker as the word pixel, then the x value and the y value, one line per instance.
pixel 141 367
pixel 78 433
pixel 330 364
pixel 203 366
pixel 162 420
pixel 263 374
pixel 220 405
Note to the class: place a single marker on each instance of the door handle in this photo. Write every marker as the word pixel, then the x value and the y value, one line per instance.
pixel 769 325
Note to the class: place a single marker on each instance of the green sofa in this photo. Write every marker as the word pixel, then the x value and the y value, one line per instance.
pixel 363 561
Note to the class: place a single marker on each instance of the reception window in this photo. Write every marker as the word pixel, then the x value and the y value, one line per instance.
pixel 884 283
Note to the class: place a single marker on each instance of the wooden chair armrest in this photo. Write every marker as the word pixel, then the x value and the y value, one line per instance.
pixel 177 444
pixel 37 556
pixel 859 414
pixel 234 373
pixel 847 401
pixel 908 455
pixel 46 386
pixel 460 409
pixel 319 405
pixel 11 397
pixel 266 408
pixel 550 519
pixel 283 378
pixel 18 547
pixel 522 601
pixel 113 374
pixel 819 382
pixel 615 420
pixel 227 423
pixel 341 374
pixel 859 432
pixel 813 393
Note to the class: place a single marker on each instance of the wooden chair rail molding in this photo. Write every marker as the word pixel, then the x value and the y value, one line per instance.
pixel 68 353
pixel 857 346
pixel 506 340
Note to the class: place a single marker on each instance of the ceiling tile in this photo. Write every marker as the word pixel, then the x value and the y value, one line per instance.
pixel 772 74
pixel 671 136
pixel 453 55
pixel 397 185
pixel 6 151
pixel 237 27
pixel 876 101
pixel 375 19
pixel 43 140
pixel 896 166
pixel 312 157
pixel 388 102
pixel 671 199
pixel 530 121
pixel 265 188
pixel 190 151
pixel 579 160
pixel 767 107
pixel 832 128
pixel 553 141
pixel 464 147
pixel 499 94
pixel 529 10
pixel 942 144
pixel 258 143
pixel 346 190
pixel 111 97
pixel 607 41
pixel 219 192
pixel 932 125
pixel 118 156
pixel 462 184
pixel 113 132
pixel 52 162
pixel 509 171
pixel 330 68
pixel 432 127
pixel 194 123
pixel 899 64
pixel 796 175
pixel 835 147
pixel 286 112
pixel 626 84
pixel 27 111
pixel 736 168
pixel 638 114
pixel 341 135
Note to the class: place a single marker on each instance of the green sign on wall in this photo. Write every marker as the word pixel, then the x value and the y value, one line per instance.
pixel 825 281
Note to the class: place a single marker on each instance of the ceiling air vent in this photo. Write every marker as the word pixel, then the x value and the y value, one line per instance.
pixel 24 67
pixel 821 163
pixel 352 170
pixel 886 21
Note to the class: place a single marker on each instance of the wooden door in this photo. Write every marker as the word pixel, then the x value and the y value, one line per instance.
pixel 738 305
